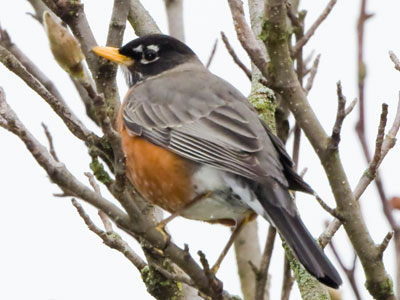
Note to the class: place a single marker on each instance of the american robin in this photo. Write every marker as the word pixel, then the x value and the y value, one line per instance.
pixel 196 147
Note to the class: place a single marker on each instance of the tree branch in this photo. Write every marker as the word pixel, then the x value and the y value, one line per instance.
pixel 7 43
pixel 285 83
pixel 340 115
pixel 174 10
pixel 111 239
pixel 134 223
pixel 246 36
pixel 212 54
pixel 117 24
pixel 367 177
pixel 234 56
pixel 262 272
pixel 350 272
pixel 71 121
pixel 310 32
pixel 141 21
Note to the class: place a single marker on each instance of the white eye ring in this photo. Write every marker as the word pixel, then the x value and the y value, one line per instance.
pixel 138 49
pixel 149 55
pixel 145 61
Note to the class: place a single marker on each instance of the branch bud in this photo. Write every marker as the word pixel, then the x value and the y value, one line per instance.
pixel 65 48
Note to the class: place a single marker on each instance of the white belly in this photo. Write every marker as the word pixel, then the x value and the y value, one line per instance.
pixel 228 200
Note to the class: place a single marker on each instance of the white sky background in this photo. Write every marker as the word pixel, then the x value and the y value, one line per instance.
pixel 46 251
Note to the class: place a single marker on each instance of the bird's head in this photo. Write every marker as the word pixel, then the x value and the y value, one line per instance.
pixel 148 56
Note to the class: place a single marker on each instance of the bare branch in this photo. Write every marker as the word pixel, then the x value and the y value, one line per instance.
pixel 313 72
pixel 350 272
pixel 211 57
pixel 132 224
pixel 214 283
pixel 93 182
pixel 247 253
pixel 57 171
pixel 141 21
pixel 366 178
pixel 50 139
pixel 175 18
pixel 7 43
pixel 362 73
pixel 395 60
pixel 284 81
pixel 174 277
pixel 106 221
pixel 234 56
pixel 340 115
pixel 117 24
pixel 382 247
pixel 111 239
pixel 379 139
pixel 351 106
pixel 61 108
pixel 326 207
pixel 288 280
pixel 246 36
pixel 262 273
pixel 109 132
pixel 310 32
pixel 39 8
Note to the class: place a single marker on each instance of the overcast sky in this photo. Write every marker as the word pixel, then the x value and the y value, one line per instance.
pixel 47 252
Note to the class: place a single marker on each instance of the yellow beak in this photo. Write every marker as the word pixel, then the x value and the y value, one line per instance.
pixel 113 54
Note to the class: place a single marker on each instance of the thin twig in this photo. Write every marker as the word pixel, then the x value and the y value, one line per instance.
pixel 366 178
pixel 234 56
pixel 106 221
pixel 111 239
pixel 110 133
pixel 246 36
pixel 313 72
pixel 212 54
pixel 7 43
pixel 288 280
pixel 350 272
pixel 361 75
pixel 171 276
pixel 382 247
pixel 283 80
pixel 379 138
pixel 215 284
pixel 50 140
pixel 395 60
pixel 350 107
pixel 310 32
pixel 340 115
pixel 326 207
pixel 262 272
pixel 57 172
pixel 60 107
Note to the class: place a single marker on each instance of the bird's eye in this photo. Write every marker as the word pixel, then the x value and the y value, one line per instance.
pixel 150 55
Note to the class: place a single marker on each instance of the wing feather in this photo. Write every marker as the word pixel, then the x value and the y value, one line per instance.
pixel 213 124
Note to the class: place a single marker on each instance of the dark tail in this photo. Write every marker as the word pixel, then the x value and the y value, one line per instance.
pixel 282 213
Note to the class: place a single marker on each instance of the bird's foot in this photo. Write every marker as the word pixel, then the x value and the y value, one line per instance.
pixel 160 227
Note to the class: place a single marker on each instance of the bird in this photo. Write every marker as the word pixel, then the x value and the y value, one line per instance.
pixel 195 147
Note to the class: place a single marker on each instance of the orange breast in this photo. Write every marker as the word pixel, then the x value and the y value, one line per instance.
pixel 161 176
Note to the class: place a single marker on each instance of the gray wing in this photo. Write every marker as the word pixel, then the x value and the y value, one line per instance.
pixel 203 118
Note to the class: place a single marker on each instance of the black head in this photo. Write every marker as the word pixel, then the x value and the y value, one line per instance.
pixel 154 54
pixel 148 55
